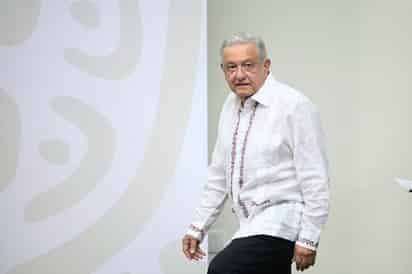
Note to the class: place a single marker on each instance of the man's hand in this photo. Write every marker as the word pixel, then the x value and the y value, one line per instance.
pixel 303 257
pixel 191 249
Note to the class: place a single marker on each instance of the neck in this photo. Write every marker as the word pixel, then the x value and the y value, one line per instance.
pixel 243 99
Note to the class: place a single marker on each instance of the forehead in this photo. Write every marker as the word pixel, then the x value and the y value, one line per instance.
pixel 240 52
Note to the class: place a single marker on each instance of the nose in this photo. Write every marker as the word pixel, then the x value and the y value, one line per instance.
pixel 240 74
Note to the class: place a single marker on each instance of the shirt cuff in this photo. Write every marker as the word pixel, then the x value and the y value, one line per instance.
pixel 196 232
pixel 307 244
pixel 309 237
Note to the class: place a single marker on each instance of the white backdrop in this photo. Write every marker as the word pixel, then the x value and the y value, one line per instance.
pixel 102 134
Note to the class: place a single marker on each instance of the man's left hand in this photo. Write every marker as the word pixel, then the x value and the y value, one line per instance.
pixel 303 257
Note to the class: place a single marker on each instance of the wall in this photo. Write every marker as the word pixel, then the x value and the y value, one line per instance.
pixel 353 59
pixel 102 134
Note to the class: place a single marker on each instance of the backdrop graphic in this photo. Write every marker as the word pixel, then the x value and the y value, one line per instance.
pixel 102 134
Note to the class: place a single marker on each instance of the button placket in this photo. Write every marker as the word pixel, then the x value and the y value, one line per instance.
pixel 238 152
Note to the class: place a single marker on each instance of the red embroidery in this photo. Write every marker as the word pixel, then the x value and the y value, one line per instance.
pixel 234 140
pixel 308 242
pixel 196 229
pixel 242 157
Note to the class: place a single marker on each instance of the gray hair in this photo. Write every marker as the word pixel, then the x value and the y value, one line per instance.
pixel 243 38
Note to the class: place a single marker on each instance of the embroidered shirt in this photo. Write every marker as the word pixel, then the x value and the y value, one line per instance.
pixel 270 161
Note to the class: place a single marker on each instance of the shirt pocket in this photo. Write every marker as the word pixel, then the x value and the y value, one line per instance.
pixel 273 149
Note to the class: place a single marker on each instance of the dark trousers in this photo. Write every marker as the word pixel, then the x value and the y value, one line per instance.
pixel 259 254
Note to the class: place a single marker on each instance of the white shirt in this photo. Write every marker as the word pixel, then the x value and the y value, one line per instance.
pixel 278 182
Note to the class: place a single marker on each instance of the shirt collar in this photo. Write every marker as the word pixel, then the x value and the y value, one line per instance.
pixel 264 95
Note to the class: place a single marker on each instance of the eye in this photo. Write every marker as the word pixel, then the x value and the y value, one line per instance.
pixel 248 65
pixel 231 66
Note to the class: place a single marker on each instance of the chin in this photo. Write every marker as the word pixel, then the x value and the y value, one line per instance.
pixel 244 93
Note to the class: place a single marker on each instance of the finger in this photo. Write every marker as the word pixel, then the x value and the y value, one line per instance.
pixel 313 260
pixel 301 263
pixel 193 246
pixel 298 262
pixel 198 253
pixel 185 247
pixel 201 251
pixel 304 263
pixel 187 253
pixel 302 267
pixel 309 261
pixel 198 256
pixel 185 243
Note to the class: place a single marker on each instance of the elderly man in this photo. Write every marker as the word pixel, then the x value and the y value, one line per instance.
pixel 270 161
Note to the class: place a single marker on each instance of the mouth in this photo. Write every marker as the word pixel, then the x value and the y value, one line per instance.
pixel 242 85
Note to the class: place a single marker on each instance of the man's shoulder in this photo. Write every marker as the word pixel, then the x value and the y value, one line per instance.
pixel 230 100
pixel 287 92
pixel 287 95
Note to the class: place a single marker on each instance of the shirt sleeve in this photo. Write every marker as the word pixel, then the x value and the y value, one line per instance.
pixel 214 194
pixel 312 172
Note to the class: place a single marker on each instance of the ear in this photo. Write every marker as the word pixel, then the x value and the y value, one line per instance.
pixel 267 63
pixel 221 66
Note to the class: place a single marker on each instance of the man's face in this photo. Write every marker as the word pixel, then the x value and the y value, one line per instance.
pixel 244 71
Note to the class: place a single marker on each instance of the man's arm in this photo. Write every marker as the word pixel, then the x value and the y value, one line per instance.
pixel 312 172
pixel 213 198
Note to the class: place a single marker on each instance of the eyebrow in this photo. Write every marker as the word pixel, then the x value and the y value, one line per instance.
pixel 244 61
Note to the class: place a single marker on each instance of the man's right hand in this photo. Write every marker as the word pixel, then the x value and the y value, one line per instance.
pixel 191 249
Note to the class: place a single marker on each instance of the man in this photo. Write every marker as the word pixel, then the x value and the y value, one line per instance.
pixel 270 161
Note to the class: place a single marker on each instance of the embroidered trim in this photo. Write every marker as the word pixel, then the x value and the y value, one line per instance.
pixel 264 203
pixel 242 158
pixel 308 242
pixel 196 229
pixel 233 154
